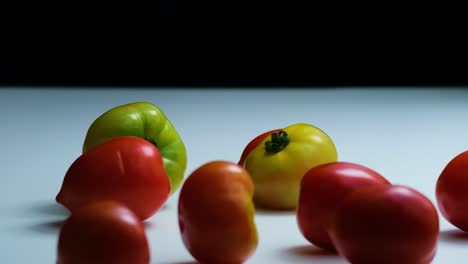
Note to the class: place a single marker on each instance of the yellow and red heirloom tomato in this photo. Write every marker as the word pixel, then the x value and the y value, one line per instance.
pixel 254 143
pixel 216 214
pixel 279 162
pixel 103 232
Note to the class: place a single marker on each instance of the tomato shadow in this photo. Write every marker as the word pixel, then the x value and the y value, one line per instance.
pixel 165 207
pixel 309 250
pixel 52 227
pixel 264 211
pixel 48 208
pixel 184 262
pixel 454 236
pixel 309 253
pixel 149 225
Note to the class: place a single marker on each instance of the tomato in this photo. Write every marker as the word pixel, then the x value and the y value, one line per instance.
pixel 386 224
pixel 279 162
pixel 103 232
pixel 216 214
pixel 322 190
pixel 452 191
pixel 145 120
pixel 253 143
pixel 126 169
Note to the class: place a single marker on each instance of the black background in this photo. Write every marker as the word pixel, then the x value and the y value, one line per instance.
pixel 221 43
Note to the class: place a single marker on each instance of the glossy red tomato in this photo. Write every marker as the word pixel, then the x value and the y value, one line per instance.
pixel 386 224
pixel 452 191
pixel 253 143
pixel 126 169
pixel 322 190
pixel 103 232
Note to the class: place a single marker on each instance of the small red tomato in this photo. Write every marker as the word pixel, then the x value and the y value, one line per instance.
pixel 386 224
pixel 322 190
pixel 452 191
pixel 103 232
pixel 216 214
pixel 126 169
pixel 253 143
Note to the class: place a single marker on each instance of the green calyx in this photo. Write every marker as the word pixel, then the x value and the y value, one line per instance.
pixel 278 142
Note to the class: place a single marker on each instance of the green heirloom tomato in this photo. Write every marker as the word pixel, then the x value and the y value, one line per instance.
pixel 145 120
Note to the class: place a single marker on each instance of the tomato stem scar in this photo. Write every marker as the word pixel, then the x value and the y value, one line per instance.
pixel 278 142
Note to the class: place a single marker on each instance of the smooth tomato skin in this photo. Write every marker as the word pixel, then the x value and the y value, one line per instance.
pixel 216 214
pixel 126 169
pixel 451 191
pixel 386 224
pixel 254 143
pixel 103 232
pixel 277 176
pixel 323 188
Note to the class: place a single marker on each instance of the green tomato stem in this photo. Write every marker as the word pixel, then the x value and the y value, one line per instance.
pixel 278 142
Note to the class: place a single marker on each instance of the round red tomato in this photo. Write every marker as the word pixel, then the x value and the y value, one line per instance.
pixel 386 224
pixel 103 232
pixel 452 191
pixel 126 169
pixel 322 190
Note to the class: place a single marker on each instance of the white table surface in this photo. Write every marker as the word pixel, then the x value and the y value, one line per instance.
pixel 408 135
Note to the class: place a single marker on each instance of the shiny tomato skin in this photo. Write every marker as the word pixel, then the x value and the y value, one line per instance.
pixel 216 214
pixel 253 143
pixel 452 191
pixel 103 232
pixel 322 190
pixel 126 169
pixel 386 224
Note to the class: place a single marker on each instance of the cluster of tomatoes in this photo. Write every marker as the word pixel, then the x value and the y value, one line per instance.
pixel 354 211
pixel 133 160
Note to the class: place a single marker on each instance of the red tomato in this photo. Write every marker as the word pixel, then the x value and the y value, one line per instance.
pixel 322 190
pixel 452 191
pixel 252 144
pixel 386 224
pixel 126 169
pixel 216 214
pixel 103 232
